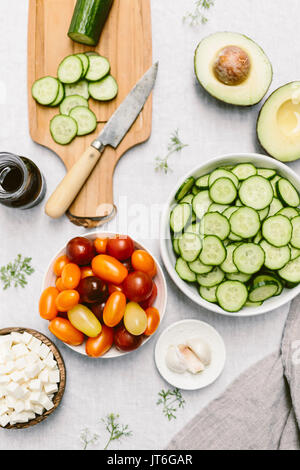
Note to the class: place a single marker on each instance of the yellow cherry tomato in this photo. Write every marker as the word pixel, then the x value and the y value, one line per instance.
pixel 135 319
pixel 83 319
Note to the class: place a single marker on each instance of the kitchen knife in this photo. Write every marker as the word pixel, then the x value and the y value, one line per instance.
pixel 112 134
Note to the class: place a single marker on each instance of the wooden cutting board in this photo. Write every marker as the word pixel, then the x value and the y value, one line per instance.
pixel 127 42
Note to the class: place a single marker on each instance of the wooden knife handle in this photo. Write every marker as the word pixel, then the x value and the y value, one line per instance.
pixel 72 183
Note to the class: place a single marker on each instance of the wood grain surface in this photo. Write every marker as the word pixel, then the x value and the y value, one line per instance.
pixel 62 369
pixel 127 42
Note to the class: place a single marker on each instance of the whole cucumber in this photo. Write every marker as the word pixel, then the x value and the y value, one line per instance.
pixel 88 21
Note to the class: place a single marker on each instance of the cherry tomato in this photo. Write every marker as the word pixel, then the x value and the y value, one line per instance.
pixel 153 322
pixel 153 273
pixel 128 265
pixel 150 301
pixel 59 284
pixel 142 261
pixel 83 319
pixel 67 300
pixel 96 347
pixel 80 251
pixel 101 244
pixel 109 269
pixel 47 306
pixel 59 265
pixel 124 341
pixel 92 290
pixel 113 288
pixel 86 271
pixel 63 330
pixel 97 310
pixel 70 276
pixel 138 286
pixel 63 315
pixel 135 319
pixel 114 309
pixel 120 247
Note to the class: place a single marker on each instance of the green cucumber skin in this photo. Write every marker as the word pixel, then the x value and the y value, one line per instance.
pixel 88 21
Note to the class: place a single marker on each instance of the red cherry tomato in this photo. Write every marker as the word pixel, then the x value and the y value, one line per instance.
pixel 86 271
pixel 80 250
pixel 153 321
pixel 114 309
pixel 47 306
pixel 125 341
pixel 97 347
pixel 113 288
pixel 109 269
pixel 120 247
pixel 59 284
pixel 59 264
pixel 138 286
pixel 142 261
pixel 101 244
pixel 97 310
pixel 67 300
pixel 128 265
pixel 150 301
pixel 92 290
pixel 65 331
pixel 71 276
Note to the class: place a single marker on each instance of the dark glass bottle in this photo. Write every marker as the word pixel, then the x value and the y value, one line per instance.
pixel 21 183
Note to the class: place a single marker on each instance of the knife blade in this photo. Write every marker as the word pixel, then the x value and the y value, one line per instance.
pixel 111 135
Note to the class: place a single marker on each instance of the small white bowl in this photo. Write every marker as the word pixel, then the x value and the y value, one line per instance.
pixel 160 302
pixel 180 332
pixel 167 253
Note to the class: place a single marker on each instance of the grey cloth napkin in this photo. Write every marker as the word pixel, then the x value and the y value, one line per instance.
pixel 260 410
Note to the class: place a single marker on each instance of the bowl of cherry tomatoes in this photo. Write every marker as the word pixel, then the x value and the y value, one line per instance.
pixel 104 295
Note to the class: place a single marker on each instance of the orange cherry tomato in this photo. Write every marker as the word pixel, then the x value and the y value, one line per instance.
pixel 109 269
pixel 113 288
pixel 59 284
pixel 67 300
pixel 47 306
pixel 59 265
pixel 65 331
pixel 96 347
pixel 153 273
pixel 101 244
pixel 86 271
pixel 153 321
pixel 71 276
pixel 142 261
pixel 114 309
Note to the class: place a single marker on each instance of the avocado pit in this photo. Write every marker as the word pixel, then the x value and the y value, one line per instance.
pixel 232 66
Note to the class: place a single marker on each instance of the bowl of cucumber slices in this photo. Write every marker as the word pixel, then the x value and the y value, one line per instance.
pixel 230 234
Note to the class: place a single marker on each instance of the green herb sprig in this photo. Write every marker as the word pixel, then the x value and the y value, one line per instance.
pixel 88 438
pixel 175 145
pixel 198 16
pixel 14 273
pixel 171 400
pixel 115 429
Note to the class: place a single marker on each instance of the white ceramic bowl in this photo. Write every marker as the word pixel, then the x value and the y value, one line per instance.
pixel 167 253
pixel 160 302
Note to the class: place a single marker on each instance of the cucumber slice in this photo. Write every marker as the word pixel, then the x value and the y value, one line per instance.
pixel 256 192
pixel 218 207
pixel 180 217
pixel 275 258
pixel 105 89
pixel 193 228
pixel 189 246
pixel 60 96
pixel 232 295
pixel 85 118
pixel 183 271
pixel 71 102
pixel 176 246
pixel 85 63
pixel 234 238
pixel 266 173
pixel 211 279
pixel 63 129
pixel 189 199
pixel 214 223
pixel 202 182
pixel 242 277
pixel 295 252
pixel 245 222
pixel 201 203
pixel 222 173
pixel 184 189
pixel 79 89
pixel 213 251
pixel 277 230
pixel 208 293
pixel 291 271
pixel 289 212
pixel 228 212
pixel 263 291
pixel 253 304
pixel 287 193
pixel 273 182
pixel 199 268
pixel 238 203
pixel 275 207
pixel 70 69
pixel 244 170
pixel 269 278
pixel 223 191
pixel 195 190
pixel 98 69
pixel 248 258
pixel 45 90
pixel 258 238
pixel 228 265
pixel 295 240
pixel 263 213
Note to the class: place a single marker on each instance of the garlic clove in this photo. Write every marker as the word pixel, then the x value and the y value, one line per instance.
pixel 201 349
pixel 175 361
pixel 193 363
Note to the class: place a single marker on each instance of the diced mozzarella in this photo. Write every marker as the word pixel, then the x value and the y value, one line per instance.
pixel 44 376
pixel 16 337
pixel 35 398
pixel 26 337
pixel 19 406
pixel 15 390
pixel 7 368
pixel 54 376
pixel 4 420
pixel 18 376
pixel 20 363
pixel 44 351
pixel 3 408
pixel 32 371
pixel 50 388
pixel 35 385
pixel 4 379
pixel 46 402
pixel 34 344
pixel 38 409
pixel 19 350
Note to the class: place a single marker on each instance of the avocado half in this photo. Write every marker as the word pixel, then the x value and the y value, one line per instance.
pixel 278 124
pixel 233 68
